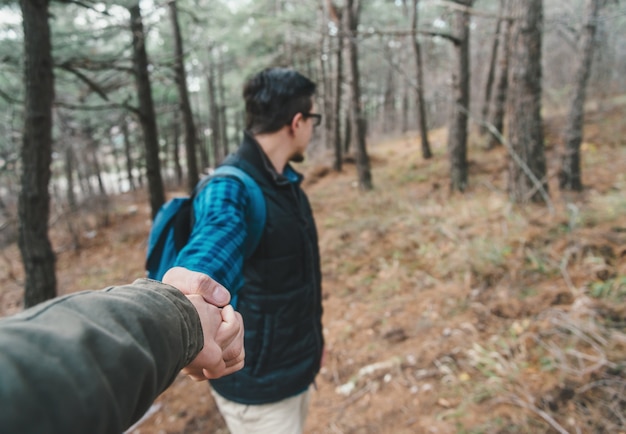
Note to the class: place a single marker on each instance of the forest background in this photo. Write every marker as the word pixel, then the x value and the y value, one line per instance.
pixel 472 236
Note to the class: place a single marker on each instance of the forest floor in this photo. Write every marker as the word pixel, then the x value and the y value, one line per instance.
pixel 444 313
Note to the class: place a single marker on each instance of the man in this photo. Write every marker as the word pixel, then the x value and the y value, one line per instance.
pixel 94 361
pixel 277 289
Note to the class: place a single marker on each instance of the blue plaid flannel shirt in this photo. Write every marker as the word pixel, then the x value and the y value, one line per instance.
pixel 215 246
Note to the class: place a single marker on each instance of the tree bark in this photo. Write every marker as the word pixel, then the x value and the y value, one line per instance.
pixel 128 154
pixel 525 132
pixel 70 161
pixel 178 169
pixel 457 136
pixel 405 109
pixel 185 105
pixel 353 8
pixel 419 88
pixel 223 120
pixel 570 177
pixel 36 156
pixel 388 106
pixel 492 69
pixel 325 83
pixel 92 156
pixel 337 165
pixel 147 117
pixel 347 138
pixel 502 85
pixel 214 121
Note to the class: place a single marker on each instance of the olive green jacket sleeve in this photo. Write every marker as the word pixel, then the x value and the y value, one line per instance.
pixel 93 362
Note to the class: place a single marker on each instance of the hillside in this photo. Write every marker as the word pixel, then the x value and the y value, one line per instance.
pixel 443 313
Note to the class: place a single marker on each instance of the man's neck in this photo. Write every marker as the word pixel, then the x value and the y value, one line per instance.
pixel 276 147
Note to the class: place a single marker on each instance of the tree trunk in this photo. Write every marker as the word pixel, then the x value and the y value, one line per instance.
pixel 147 117
pixel 117 167
pixel 84 176
pixel 185 105
pixel 178 169
pixel 92 156
pixel 457 140
pixel 492 69
pixel 405 110
pixel 238 137
pixel 223 121
pixel 419 86
pixel 570 174
pixel 358 121
pixel 347 138
pixel 214 122
pixel 502 85
pixel 70 160
pixel 388 106
pixel 527 164
pixel 36 156
pixel 337 13
pixel 72 204
pixel 337 166
pixel 324 88
pixel 128 154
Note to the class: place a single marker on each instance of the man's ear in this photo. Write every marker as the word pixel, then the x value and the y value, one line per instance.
pixel 295 121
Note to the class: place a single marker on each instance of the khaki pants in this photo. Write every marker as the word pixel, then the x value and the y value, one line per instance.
pixel 282 417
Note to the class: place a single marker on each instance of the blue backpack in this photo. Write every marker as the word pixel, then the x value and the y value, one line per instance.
pixel 173 223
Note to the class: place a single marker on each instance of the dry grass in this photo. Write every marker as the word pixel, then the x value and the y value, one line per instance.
pixel 488 317
pixel 443 312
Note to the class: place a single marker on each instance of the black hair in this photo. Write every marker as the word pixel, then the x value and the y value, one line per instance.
pixel 274 96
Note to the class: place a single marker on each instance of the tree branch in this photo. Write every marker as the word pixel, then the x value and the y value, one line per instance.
pixel 85 5
pixel 518 160
pixel 71 106
pixel 92 85
pixel 402 32
pixel 468 9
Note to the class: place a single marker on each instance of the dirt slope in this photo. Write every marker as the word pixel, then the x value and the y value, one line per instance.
pixel 443 313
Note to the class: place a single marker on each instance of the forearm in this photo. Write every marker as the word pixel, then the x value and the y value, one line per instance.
pixel 108 354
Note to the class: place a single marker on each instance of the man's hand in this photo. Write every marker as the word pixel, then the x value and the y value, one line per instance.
pixel 223 351
pixel 192 282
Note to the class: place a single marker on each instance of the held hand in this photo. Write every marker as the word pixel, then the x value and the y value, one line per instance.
pixel 230 338
pixel 223 351
pixel 192 282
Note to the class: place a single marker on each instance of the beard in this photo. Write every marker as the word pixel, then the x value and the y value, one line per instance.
pixel 297 158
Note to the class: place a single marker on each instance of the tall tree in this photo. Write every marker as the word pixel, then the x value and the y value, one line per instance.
pixel 502 83
pixel 36 155
pixel 221 90
pixel 457 136
pixel 323 73
pixel 185 105
pixel 336 15
pixel 527 162
pixel 147 117
pixel 570 174
pixel 127 153
pixel 353 10
pixel 214 114
pixel 492 68
pixel 388 107
pixel 419 85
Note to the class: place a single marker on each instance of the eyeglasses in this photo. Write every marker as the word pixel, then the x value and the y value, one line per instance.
pixel 317 118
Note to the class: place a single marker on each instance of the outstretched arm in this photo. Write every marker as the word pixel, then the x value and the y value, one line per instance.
pixel 95 361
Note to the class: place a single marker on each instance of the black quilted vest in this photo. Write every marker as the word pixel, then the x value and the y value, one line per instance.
pixel 280 301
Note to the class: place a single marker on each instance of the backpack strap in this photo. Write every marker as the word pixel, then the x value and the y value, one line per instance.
pixel 255 214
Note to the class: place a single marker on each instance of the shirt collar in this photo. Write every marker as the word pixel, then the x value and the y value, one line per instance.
pixel 289 175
